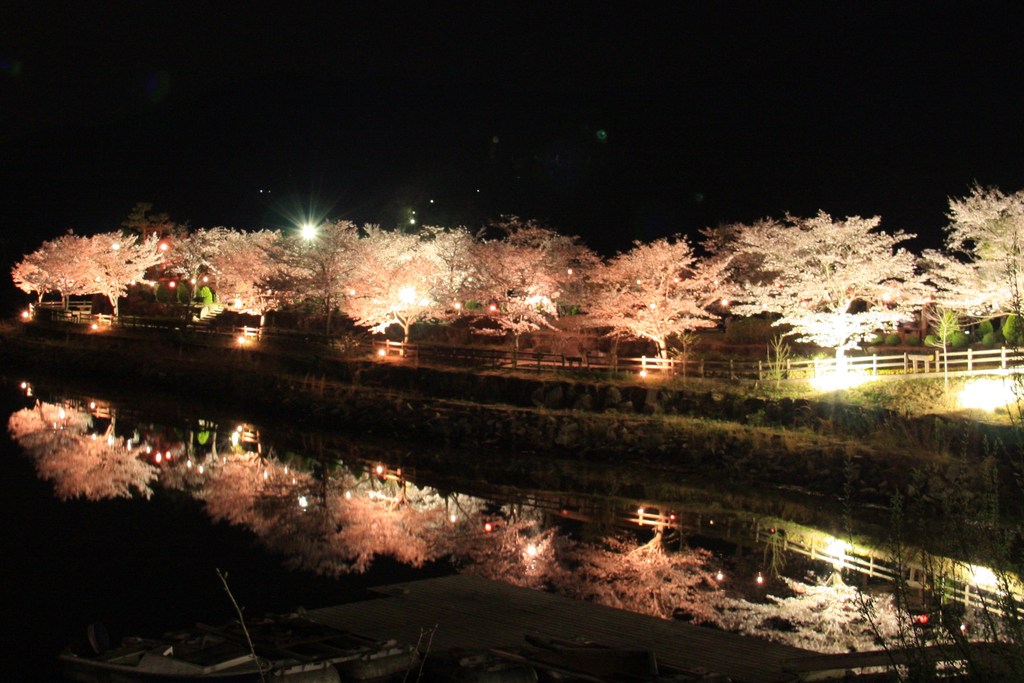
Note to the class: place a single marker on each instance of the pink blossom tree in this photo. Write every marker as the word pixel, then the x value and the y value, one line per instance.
pixel 316 269
pixel 117 261
pixel 243 269
pixel 395 281
pixel 521 278
pixel 835 282
pixel 192 255
pixel 59 265
pixel 657 290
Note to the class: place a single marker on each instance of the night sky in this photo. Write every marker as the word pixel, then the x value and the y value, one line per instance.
pixel 614 123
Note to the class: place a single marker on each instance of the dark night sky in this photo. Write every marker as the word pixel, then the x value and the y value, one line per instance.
pixel 713 112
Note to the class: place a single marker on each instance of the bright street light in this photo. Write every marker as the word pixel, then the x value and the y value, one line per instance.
pixel 308 231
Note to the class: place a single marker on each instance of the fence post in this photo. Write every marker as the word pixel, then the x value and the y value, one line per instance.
pixel 906 363
pixel 874 365
pixel 702 367
pixel 970 359
pixel 1002 358
pixel 760 375
pixel 732 372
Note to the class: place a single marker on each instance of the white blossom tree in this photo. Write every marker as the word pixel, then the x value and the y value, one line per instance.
pixel 192 255
pixel 657 290
pixel 521 277
pixel 982 271
pixel 316 269
pixel 243 268
pixel 59 265
pixel 834 281
pixel 395 281
pixel 118 261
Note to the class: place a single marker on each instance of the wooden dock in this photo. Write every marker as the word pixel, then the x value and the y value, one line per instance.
pixel 474 613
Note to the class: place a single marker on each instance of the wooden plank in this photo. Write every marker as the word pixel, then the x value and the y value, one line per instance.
pixel 471 612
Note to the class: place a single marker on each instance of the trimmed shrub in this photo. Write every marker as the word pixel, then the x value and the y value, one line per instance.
pixel 992 339
pixel 205 295
pixel 912 340
pixel 892 340
pixel 1013 330
pixel 985 327
pixel 959 339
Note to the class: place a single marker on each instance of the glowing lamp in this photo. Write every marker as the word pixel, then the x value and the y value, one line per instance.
pixel 380 469
pixel 568 271
pixel 201 469
pixel 172 284
pixel 488 527
pixel 531 550
pixel 492 308
pixel 115 246
pixel 206 279
pixel 266 474
pixel 724 302
pixel 987 393
pixel 382 352
pixel 303 502
pixel 242 341
pixel 719 576
pixel 760 579
pixel 308 231
pixel 643 373
pixel 163 246
pixel 192 280
pixel 24 385
pixel 25 315
pixel 453 518
pixel 95 326
pixel 158 457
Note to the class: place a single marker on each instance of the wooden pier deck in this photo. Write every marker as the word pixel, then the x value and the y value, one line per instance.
pixel 475 613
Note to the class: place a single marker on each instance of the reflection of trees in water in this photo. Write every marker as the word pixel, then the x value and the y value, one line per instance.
pixel 79 463
pixel 332 520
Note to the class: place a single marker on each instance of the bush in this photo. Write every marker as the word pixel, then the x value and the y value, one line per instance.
pixel 875 339
pixel 959 339
pixel 749 331
pixel 912 340
pixel 932 340
pixel 985 327
pixel 892 340
pixel 1013 330
pixel 992 339
pixel 204 295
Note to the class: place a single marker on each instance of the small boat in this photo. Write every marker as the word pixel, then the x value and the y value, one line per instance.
pixel 288 648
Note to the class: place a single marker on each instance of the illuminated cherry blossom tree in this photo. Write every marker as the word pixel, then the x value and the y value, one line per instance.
pixel 59 265
pixel 657 290
pixel 983 269
pixel 243 268
pixel 834 281
pixel 394 281
pixel 316 269
pixel 116 261
pixel 521 277
pixel 192 255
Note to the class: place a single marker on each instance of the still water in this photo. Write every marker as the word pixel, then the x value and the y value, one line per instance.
pixel 121 514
